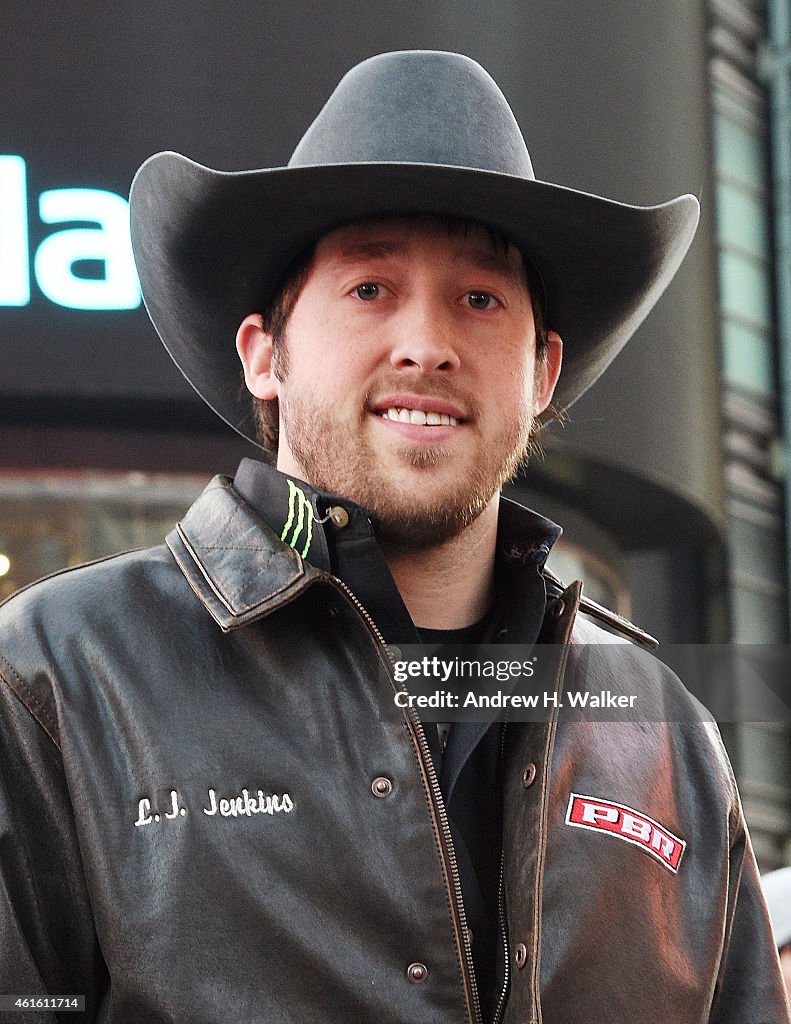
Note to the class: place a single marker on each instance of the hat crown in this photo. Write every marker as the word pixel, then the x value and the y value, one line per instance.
pixel 417 107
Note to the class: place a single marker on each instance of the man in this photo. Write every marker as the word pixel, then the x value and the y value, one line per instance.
pixel 212 810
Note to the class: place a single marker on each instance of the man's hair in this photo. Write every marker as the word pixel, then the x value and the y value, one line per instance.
pixel 277 312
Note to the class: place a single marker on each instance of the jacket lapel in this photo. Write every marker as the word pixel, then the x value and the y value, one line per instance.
pixel 234 563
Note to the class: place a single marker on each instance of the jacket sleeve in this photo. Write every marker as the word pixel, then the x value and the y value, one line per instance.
pixel 749 986
pixel 48 944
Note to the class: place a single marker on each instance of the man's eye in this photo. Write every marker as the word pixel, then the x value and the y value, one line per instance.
pixel 481 300
pixel 367 291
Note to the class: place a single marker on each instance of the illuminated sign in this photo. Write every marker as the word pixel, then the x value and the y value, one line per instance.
pixel 55 263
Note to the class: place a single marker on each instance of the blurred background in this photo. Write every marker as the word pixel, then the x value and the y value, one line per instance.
pixel 669 476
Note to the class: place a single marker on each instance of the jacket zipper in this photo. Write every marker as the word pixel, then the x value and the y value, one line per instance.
pixel 471 988
pixel 501 913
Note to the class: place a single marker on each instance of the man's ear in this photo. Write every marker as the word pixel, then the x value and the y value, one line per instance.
pixel 254 346
pixel 547 373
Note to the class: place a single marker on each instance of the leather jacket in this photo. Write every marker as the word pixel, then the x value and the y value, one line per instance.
pixel 208 813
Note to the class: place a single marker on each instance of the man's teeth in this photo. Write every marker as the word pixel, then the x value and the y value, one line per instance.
pixel 423 419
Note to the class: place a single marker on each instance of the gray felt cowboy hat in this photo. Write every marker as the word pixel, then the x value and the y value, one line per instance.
pixel 407 132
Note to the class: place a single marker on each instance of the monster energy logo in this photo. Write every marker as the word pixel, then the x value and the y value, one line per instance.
pixel 299 509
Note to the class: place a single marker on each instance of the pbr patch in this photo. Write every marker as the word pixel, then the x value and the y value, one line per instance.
pixel 626 823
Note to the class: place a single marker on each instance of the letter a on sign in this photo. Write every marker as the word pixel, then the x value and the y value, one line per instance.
pixel 107 243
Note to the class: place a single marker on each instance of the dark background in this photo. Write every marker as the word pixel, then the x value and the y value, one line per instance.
pixel 610 97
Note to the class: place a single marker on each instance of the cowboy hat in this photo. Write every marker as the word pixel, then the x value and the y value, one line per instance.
pixel 417 131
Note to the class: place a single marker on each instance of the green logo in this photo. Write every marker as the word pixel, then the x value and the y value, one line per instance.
pixel 299 508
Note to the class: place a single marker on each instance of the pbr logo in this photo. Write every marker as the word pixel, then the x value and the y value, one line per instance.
pixel 626 823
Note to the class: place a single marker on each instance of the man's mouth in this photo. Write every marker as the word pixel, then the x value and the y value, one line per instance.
pixel 419 410
pixel 420 418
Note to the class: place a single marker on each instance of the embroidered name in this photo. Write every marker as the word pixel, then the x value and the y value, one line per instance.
pixel 248 805
pixel 148 815
pixel 244 804
pixel 626 823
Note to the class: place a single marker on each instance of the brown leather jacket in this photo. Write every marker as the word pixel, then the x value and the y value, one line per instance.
pixel 207 813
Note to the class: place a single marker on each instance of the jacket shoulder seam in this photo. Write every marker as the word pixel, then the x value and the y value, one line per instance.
pixel 29 700
pixel 69 569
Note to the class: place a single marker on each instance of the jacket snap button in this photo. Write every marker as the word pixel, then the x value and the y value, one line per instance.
pixel 529 775
pixel 393 651
pixel 417 973
pixel 381 786
pixel 520 955
pixel 338 516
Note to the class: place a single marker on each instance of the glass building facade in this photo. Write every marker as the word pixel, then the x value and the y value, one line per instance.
pixel 752 412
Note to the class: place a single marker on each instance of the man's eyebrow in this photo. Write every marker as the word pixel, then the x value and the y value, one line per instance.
pixel 482 258
pixel 369 250
pixel 489 259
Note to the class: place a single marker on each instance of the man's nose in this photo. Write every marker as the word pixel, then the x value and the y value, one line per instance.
pixel 425 341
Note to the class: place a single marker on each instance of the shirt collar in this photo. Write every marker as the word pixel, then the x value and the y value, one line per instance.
pixel 523 536
pixel 300 514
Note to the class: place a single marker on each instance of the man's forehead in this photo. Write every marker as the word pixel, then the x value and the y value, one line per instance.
pixel 460 240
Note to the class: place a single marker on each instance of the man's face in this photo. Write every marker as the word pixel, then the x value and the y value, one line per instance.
pixel 411 383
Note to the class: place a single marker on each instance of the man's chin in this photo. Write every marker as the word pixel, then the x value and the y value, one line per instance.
pixel 424 458
pixel 419 526
pixel 418 496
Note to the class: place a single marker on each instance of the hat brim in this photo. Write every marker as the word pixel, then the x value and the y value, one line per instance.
pixel 211 245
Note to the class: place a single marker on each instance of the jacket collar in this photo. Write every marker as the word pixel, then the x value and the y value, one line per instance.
pixel 241 570
pixel 236 565
pixel 297 513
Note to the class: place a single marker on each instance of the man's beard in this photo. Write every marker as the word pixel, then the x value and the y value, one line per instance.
pixel 338 458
